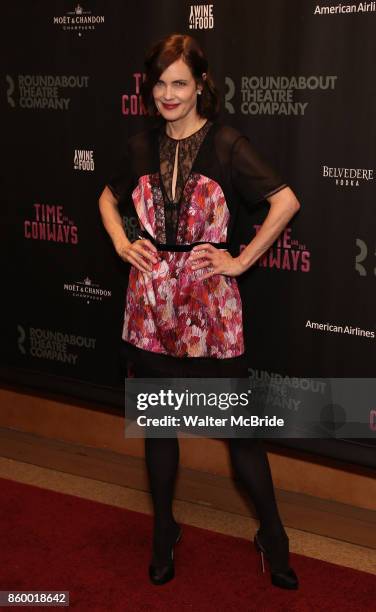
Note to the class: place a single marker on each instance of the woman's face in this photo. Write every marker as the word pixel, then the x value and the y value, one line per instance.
pixel 175 93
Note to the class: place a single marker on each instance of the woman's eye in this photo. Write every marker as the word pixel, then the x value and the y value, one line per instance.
pixel 180 83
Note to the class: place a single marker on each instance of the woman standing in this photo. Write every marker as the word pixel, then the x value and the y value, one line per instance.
pixel 187 178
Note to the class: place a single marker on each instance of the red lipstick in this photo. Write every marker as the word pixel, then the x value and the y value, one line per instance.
pixel 169 106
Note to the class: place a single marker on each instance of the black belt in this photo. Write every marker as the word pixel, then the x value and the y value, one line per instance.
pixel 180 247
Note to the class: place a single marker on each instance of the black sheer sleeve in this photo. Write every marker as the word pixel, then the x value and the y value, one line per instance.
pixel 252 176
pixel 120 181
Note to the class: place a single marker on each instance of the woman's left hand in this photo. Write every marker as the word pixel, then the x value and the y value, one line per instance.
pixel 217 261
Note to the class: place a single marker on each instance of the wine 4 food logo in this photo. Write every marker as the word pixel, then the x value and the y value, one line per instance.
pixel 347 177
pixel 79 20
pixel 54 345
pixel 273 95
pixel 345 9
pixel 50 224
pixel 365 259
pixel 201 17
pixel 86 290
pixel 131 102
pixel 83 159
pixel 42 91
pixel 286 253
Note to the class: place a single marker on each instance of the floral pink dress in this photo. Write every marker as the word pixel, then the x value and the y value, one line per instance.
pixel 172 317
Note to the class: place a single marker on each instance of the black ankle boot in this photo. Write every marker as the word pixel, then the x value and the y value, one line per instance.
pixel 161 569
pixel 282 575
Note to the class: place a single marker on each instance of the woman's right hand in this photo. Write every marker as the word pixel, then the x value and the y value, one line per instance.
pixel 140 253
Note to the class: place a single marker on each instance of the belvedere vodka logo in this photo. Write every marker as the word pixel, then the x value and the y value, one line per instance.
pixel 51 224
pixel 83 159
pixel 37 91
pixel 131 102
pixel 201 17
pixel 273 95
pixel 347 177
pixel 54 345
pixel 78 20
pixel 345 9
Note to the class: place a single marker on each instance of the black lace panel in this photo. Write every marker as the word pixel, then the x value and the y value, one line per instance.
pixel 187 152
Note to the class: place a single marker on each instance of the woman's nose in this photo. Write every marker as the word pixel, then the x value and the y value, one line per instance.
pixel 168 92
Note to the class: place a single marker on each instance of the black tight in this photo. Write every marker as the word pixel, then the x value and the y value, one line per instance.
pixel 251 466
pixel 162 459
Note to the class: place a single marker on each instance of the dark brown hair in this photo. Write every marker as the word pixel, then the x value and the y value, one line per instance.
pixel 165 52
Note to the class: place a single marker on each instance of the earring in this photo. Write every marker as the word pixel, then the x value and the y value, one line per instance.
pixel 199 92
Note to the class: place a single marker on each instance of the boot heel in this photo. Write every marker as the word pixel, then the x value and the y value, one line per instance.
pixel 176 542
pixel 165 573
pixel 261 554
pixel 262 562
pixel 285 579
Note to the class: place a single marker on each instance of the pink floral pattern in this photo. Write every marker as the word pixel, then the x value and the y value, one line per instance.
pixel 173 311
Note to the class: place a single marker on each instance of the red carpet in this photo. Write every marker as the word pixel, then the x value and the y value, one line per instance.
pixel 53 541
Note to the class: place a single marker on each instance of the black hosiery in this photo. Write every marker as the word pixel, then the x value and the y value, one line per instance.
pixel 162 459
pixel 251 466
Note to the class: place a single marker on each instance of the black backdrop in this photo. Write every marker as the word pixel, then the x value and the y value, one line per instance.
pixel 296 77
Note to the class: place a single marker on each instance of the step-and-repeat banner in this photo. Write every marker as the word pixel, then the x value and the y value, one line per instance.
pixel 296 77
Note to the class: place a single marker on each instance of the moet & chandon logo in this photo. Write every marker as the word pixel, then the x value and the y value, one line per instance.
pixel 87 290
pixel 78 20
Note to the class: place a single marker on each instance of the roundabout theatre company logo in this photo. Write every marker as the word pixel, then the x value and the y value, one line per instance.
pixel 273 95
pixel 55 345
pixel 42 91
